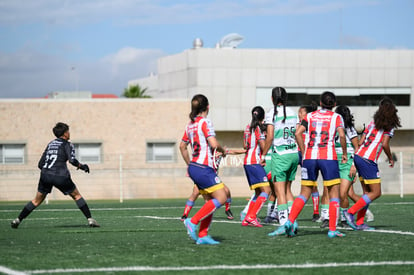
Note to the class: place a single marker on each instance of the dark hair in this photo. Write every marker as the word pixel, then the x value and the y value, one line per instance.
pixel 328 100
pixel 279 95
pixel 386 118
pixel 60 129
pixel 199 104
pixel 310 108
pixel 346 115
pixel 258 115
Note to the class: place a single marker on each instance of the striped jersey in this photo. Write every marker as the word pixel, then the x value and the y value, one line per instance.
pixel 284 141
pixel 350 133
pixel 322 126
pixel 372 146
pixel 251 143
pixel 197 133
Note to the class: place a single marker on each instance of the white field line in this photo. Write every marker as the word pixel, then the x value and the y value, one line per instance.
pixel 213 267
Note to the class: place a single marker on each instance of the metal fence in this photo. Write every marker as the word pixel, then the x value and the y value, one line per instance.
pixel 121 177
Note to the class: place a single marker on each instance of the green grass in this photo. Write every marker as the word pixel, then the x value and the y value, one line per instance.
pixel 148 234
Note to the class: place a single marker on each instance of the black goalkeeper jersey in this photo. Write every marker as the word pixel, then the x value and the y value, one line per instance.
pixel 55 156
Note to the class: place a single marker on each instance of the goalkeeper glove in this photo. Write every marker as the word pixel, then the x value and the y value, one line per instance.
pixel 84 167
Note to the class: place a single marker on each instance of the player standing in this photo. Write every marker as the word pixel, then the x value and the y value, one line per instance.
pixel 55 173
pixel 320 155
pixel 200 134
pixel 281 123
pixel 253 142
pixel 375 138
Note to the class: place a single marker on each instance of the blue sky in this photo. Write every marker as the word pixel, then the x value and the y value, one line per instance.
pixel 64 45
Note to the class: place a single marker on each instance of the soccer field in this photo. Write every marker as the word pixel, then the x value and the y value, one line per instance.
pixel 148 236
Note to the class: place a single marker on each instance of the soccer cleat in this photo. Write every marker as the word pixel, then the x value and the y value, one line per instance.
pixel 365 227
pixel 345 225
pixel 350 219
pixel 324 224
pixel 191 229
pixel 15 223
pixel 320 219
pixel 251 222
pixel 281 230
pixel 295 227
pixel 289 229
pixel 93 223
pixel 334 234
pixel 242 215
pixel 369 216
pixel 207 240
pixel 183 217
pixel 229 214
pixel 315 217
pixel 268 219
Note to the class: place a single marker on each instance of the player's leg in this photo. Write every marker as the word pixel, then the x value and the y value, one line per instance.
pixel 83 207
pixel 228 212
pixel 28 208
pixel 190 202
pixel 315 203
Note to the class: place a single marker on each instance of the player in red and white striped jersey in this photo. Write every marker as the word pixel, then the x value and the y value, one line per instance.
pixel 375 138
pixel 253 142
pixel 200 134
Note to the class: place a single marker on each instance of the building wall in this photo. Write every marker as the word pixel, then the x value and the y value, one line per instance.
pixel 230 78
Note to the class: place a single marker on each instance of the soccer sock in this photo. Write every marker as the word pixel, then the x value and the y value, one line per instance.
pixel 188 206
pixel 333 213
pixel 270 207
pixel 325 211
pixel 289 204
pixel 342 213
pixel 297 207
pixel 251 206
pixel 83 206
pixel 315 201
pixel 208 208
pixel 282 210
pixel 361 203
pixel 27 209
pixel 228 204
pixel 205 225
pixel 255 209
pixel 361 215
pixel 252 198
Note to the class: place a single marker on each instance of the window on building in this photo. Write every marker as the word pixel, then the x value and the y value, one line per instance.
pixel 344 96
pixel 161 152
pixel 88 152
pixel 12 153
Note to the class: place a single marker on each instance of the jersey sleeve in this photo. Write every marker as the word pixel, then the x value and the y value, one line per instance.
pixel 208 129
pixel 70 153
pixel 269 117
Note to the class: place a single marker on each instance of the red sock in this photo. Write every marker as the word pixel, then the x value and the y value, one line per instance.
pixel 254 209
pixel 227 206
pixel 251 206
pixel 357 206
pixel 187 210
pixel 333 214
pixel 205 225
pixel 315 201
pixel 297 207
pixel 361 216
pixel 207 209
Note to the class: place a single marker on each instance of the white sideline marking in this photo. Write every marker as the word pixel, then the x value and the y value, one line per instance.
pixel 9 271
pixel 214 267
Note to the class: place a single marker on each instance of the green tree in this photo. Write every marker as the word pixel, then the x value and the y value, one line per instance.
pixel 135 91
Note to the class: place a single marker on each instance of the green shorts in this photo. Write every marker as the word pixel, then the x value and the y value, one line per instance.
pixel 284 167
pixel 344 168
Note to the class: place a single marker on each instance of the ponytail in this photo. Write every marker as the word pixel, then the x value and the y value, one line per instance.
pixel 279 96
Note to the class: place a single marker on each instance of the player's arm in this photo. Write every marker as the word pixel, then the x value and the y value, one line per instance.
pixel 212 141
pixel 70 151
pixel 342 140
pixel 184 152
pixel 299 137
pixel 268 142
pixel 387 149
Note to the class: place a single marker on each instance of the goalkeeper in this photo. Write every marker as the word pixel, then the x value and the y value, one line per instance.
pixel 54 173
